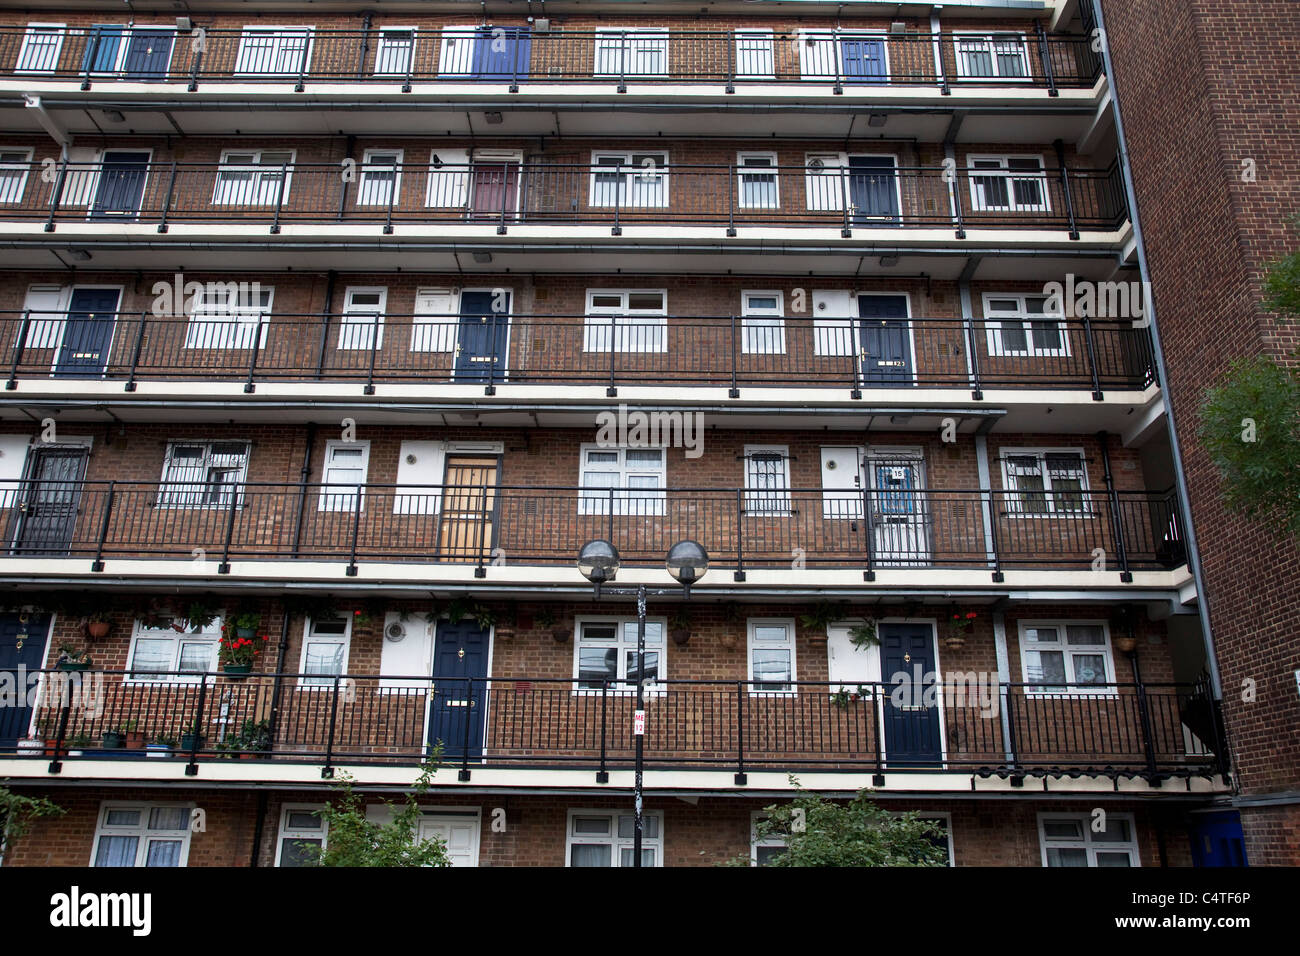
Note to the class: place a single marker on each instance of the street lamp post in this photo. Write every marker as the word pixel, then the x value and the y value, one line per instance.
pixel 687 562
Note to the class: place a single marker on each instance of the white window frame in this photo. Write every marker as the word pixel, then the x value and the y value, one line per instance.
pixel 1067 651
pixel 944 817
pixel 756 56
pixel 616 843
pixel 755 842
pixel 637 183
pixel 762 331
pixel 309 637
pixel 979 198
pixel 631 329
pixel 378 192
pixel 358 329
pixel 13 189
pixel 29 47
pixel 210 635
pixel 1087 843
pixel 351 497
pixel 228 325
pixel 1017 503
pixel 141 831
pixel 286 832
pixel 621 43
pixel 752 643
pixel 173 493
pixel 996 319
pixel 768 502
pixel 624 642
pixel 649 502
pixel 990 42
pixel 280 32
pixel 258 190
pixel 742 171
pixel 384 42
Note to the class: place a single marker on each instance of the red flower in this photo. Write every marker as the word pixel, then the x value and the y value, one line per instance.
pixel 971 616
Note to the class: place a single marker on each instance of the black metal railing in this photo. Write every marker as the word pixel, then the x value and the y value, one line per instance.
pixel 831 59
pixel 499 195
pixel 546 525
pixel 961 722
pixel 798 351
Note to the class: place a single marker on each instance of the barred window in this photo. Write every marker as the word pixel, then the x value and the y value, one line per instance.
pixel 1046 482
pixel 203 475
pixel 767 480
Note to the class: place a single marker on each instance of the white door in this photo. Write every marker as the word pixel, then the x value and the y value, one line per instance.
pixel 433 327
pixel 419 477
pixel 899 511
pixel 407 652
pixel 459 832
pixel 848 666
pixel 362 323
pixel 842 483
pixel 47 305
pixel 834 318
pixel 13 458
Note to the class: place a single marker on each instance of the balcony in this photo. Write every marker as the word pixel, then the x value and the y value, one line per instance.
pixel 442 532
pixel 966 727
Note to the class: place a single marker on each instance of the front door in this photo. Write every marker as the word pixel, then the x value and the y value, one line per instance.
pixel 468 509
pixel 148 55
pixel 22 651
pixel 911 704
pixel 49 501
pixel 898 511
pixel 494 188
pixel 501 53
pixel 87 333
pixel 886 341
pixel 873 190
pixel 484 336
pixel 121 185
pixel 1217 839
pixel 458 830
pixel 863 59
pixel 103 43
pixel 458 699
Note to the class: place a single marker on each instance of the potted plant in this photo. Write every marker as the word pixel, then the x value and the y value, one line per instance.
pixel 958 625
pixel 549 621
pixel 822 615
pixel 74 659
pixel 244 624
pixel 254 738
pixel 134 737
pixel 236 654
pixel 78 745
pixel 115 739
pixel 198 616
pixel 864 635
pixel 508 621
pixel 731 620
pixel 679 626
pixel 192 738
pixel 97 625
pixel 162 746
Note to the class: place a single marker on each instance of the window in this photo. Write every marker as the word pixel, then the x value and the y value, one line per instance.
pixel 944 839
pixel 1020 325
pixel 1054 654
pixel 1008 184
pixel 1068 839
pixel 226 316
pixel 758 186
pixel 606 651
pixel 771 656
pixel 343 476
pixel 253 178
pixel 1002 56
pixel 362 323
pixel 274 51
pixel 763 324
pixel 203 475
pixel 1045 481
pixel 381 177
pixel 626 321
pixel 634 479
pixel 14 165
pixel 763 849
pixel 142 834
pixel 632 52
pixel 767 480
pixel 40 50
pixel 165 654
pixel 324 651
pixel 629 180
pixel 299 825
pixel 754 59
pixel 606 838
pixel 396 48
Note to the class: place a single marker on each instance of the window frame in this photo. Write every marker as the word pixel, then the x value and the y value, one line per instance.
pixel 756 687
pixel 353 335
pixel 22 168
pixel 616 843
pixel 35 28
pixel 595 333
pixel 996 319
pixel 764 502
pixel 628 184
pixel 587 502
pixel 228 328
pixel 624 646
pixel 384 42
pixel 211 635
pixel 167 487
pixel 1016 497
pixel 286 832
pixel 325 682
pixel 279 30
pixel 741 173
pixel 1106 650
pixel 343 501
pixel 366 183
pixel 141 831
pixel 979 195
pixel 762 35
pixel 256 184
pixel 990 40
pixel 1090 846
pixel 607 38
pixel 753 326
pixel 755 842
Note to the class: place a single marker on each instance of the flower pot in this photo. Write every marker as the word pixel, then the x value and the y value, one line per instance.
pixel 74 665
pixel 191 742
pixel 955 641
pixel 1126 645
pixel 31 747
pixel 114 741
pixel 504 633
pixel 728 641
pixel 560 635
pixel 680 635
pixel 134 740
pixel 158 750
pixel 246 632
pixel 98 630
pixel 236 670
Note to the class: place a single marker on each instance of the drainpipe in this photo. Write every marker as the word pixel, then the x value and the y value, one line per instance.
pixel 258 825
pixel 1180 480
pixel 1004 679
pixel 937 42
pixel 281 652
pixel 365 44
pixel 986 501
pixel 303 474
pixel 331 278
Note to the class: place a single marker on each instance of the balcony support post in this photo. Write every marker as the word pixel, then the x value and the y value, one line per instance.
pixel 167 198
pixel 741 778
pixel 1013 747
pixel 868 525
pixel 1059 146
pixel 988 508
pixel 835 52
pixel 1090 343
pixel 369 388
pixel 98 563
pixel 846 231
pixel 936 40
pixel 1144 716
pixel 731 199
pixel 64 681
pixel 351 570
pixel 1046 56
pixel 1116 518
pixel 253 350
pixel 463 774
pixel 279 198
pixel 327 771
pixel 973 371
pixel 505 191
pixel 56 197
pixel 735 383
pixel 611 391
pixel 19 348
pixel 491 387
pixel 954 196
pixel 196 66
pixel 622 67
pixel 196 728
pixel 602 774
pixel 617 228
pixel 224 566
pixel 480 571
pixel 731 64
pixel 302 64
pixel 740 535
pixel 135 355
pixel 877 701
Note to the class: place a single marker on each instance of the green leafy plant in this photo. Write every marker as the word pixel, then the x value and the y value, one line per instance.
pixel 546 617
pixel 864 635
pixel 75 655
pixel 19 812
pixel 244 621
pixel 165 740
pixel 239 651
pixel 822 614
pixel 463 606
pixel 1282 282
pixel 199 615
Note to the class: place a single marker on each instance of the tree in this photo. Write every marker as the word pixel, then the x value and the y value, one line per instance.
pixel 354 840
pixel 818 832
pixel 17 813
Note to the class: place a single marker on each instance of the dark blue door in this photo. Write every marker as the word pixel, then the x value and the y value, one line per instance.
pixel 873 190
pixel 501 53
pixel 87 334
pixel 484 334
pixel 864 60
pixel 911 723
pixel 1217 839
pixel 886 340
pixel 22 650
pixel 121 185
pixel 148 55
pixel 102 44
pixel 459 702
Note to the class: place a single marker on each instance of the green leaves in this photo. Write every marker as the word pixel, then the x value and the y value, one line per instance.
pixel 18 812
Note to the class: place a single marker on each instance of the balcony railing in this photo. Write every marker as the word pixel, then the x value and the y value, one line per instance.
pixel 546 525
pixel 834 59
pixel 129 189
pixel 799 351
pixel 964 723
